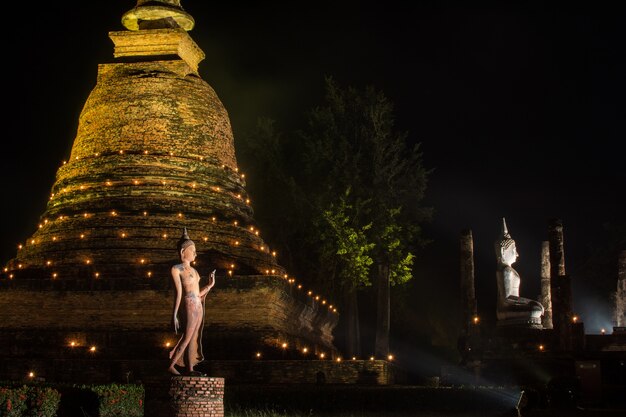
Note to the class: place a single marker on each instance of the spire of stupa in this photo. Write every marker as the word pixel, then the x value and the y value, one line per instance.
pixel 157 14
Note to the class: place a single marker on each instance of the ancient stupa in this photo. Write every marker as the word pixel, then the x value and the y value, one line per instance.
pixel 153 154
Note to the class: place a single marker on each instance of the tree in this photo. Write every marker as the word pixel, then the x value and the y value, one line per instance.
pixel 343 199
pixel 346 255
pixel 351 143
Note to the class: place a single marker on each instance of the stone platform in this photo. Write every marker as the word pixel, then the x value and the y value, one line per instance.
pixel 184 396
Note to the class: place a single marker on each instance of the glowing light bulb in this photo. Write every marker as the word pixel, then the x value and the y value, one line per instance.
pixel 235 223
pixel 322 355
pixel 149 274
pixel 54 275
pixel 142 261
pixel 236 242
pixel 575 319
pixel 123 235
pixel 72 343
pixel 310 293
pixel 31 374
pixel 258 354
pixel 136 182
pixel 354 358
pixel 168 344
pixel 88 261
pixel 541 347
pixel 390 357
pixel 371 358
pixel 299 286
pixel 145 213
pixel 92 349
pixel 48 263
pixel 164 235
pixel 97 274
pixel 284 345
pixel 338 359
pixel 82 236
pixel 121 152
pixel 475 319
pixel 305 350
pixel 206 238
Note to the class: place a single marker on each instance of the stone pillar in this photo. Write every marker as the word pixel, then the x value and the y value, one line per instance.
pixel 620 294
pixel 468 294
pixel 197 396
pixel 469 342
pixel 546 298
pixel 560 287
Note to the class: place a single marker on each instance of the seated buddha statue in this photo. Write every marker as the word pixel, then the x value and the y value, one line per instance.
pixel 511 309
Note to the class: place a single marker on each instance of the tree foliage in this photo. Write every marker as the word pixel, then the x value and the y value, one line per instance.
pixel 344 192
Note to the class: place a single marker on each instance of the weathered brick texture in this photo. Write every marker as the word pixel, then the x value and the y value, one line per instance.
pixel 197 396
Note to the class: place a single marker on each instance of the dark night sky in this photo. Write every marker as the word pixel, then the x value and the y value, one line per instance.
pixel 520 109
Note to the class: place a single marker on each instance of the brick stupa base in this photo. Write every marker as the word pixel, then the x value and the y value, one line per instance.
pixel 184 396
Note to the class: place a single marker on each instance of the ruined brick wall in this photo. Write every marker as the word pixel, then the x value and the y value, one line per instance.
pixel 368 372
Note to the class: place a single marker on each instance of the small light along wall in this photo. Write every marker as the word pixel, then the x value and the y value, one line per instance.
pixel 285 350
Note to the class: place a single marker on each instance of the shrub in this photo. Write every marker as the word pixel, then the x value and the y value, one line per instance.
pixel 29 401
pixel 13 401
pixel 43 401
pixel 119 400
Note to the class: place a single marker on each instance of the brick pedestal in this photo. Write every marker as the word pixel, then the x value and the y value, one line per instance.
pixel 194 396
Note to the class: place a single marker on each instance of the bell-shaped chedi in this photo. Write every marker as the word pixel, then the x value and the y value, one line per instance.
pixel 154 153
